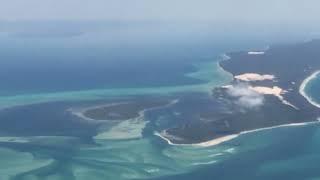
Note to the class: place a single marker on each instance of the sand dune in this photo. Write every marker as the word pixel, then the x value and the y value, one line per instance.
pixel 275 90
pixel 256 52
pixel 254 77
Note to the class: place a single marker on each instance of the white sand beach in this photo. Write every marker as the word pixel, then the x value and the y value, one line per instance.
pixel 223 139
pixel 254 77
pixel 218 140
pixel 213 142
pixel 275 90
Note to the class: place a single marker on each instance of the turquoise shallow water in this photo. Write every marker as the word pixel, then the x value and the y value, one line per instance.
pixel 41 140
pixel 312 89
pixel 280 153
pixel 283 153
pixel 137 154
pixel 208 72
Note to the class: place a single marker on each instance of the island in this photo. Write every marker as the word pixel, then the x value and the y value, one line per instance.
pixel 265 93
pixel 122 110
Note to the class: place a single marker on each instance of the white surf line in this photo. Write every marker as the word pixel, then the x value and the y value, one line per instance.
pixel 80 113
pixel 303 86
pixel 230 137
pixel 223 139
pixel 204 163
pixel 202 144
pixel 280 126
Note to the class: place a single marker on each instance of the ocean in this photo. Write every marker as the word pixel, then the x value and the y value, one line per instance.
pixel 46 77
pixel 311 89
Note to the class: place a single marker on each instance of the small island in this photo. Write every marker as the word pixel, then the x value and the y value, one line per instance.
pixel 122 110
pixel 265 93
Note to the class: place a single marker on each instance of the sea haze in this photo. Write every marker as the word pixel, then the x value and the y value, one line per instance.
pixel 51 71
pixel 39 57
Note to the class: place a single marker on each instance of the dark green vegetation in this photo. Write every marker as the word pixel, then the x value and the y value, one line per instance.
pixel 124 110
pixel 290 64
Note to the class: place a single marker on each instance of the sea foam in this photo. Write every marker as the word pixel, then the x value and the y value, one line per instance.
pixel 304 85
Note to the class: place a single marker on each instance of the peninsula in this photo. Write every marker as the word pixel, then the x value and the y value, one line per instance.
pixel 264 93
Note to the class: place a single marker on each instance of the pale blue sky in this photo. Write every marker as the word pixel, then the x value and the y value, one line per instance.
pixel 251 11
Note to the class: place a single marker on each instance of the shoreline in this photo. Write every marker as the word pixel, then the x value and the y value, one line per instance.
pixel 123 131
pixel 230 137
pixel 303 86
pixel 80 111
pixel 223 139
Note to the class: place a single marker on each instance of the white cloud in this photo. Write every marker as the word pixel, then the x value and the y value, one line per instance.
pixel 246 97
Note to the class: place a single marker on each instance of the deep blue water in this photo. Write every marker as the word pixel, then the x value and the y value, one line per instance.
pixel 61 56
pixel 52 70
pixel 33 63
pixel 46 141
pixel 285 153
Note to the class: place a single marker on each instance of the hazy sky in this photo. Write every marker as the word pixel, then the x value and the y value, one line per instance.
pixel 254 11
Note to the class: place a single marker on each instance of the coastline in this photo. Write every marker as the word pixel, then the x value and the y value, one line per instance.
pixel 124 129
pixel 80 112
pixel 303 86
pixel 230 137
pixel 223 139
